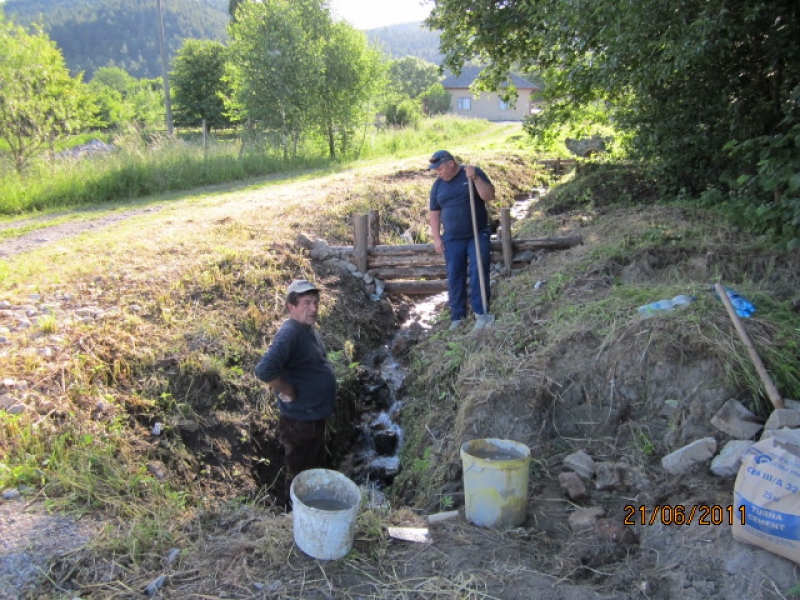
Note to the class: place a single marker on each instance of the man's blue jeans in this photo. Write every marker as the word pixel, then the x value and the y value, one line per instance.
pixel 459 256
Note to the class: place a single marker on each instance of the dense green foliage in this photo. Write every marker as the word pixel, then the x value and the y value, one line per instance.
pixel 413 90
pixel 121 100
pixel 198 90
pixel 120 33
pixel 706 93
pixel 295 73
pixel 39 101
pixel 411 76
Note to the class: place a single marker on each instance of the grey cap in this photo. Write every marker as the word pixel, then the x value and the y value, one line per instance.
pixel 439 157
pixel 301 286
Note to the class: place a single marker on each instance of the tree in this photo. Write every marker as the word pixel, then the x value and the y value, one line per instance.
pixel 701 89
pixel 435 100
pixel 121 99
pixel 411 76
pixel 294 72
pixel 39 101
pixel 277 67
pixel 198 86
pixel 353 74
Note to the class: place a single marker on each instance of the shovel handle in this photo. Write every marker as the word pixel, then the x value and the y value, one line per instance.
pixel 772 391
pixel 478 257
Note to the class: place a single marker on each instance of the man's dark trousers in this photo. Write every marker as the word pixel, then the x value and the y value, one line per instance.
pixel 458 254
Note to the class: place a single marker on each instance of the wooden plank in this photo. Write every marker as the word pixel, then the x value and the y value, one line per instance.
pixel 554 243
pixel 413 272
pixel 411 288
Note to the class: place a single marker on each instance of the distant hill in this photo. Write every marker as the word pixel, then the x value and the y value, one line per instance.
pixel 120 33
pixel 124 33
pixel 407 39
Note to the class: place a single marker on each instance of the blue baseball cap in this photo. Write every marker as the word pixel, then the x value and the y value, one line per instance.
pixel 439 158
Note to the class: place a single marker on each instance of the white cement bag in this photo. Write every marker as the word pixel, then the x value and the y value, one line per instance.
pixel 767 495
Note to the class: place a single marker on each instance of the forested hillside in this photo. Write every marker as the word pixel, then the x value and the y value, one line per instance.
pixel 120 33
pixel 407 39
pixel 123 33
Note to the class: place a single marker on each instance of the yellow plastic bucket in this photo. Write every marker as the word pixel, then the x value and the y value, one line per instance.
pixel 495 482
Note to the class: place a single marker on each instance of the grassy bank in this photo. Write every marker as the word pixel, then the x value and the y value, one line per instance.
pixel 141 167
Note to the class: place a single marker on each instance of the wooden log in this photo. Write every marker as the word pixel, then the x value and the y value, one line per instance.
pixel 360 248
pixel 554 243
pixel 373 228
pixel 505 237
pixel 404 261
pixel 417 272
pixel 412 288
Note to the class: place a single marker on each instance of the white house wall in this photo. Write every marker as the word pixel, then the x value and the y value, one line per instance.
pixel 487 105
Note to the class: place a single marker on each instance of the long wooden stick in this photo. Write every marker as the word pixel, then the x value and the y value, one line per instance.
pixel 478 257
pixel 772 391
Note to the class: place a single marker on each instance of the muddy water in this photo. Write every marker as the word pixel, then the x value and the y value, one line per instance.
pixel 330 504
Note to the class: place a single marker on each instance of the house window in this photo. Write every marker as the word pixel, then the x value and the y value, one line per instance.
pixel 501 105
pixel 464 104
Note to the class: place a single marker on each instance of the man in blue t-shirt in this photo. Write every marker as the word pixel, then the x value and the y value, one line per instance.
pixel 297 369
pixel 450 209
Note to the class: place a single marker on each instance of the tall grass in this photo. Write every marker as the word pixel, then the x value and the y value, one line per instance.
pixel 140 168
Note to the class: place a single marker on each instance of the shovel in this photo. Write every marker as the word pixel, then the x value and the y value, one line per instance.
pixel 484 320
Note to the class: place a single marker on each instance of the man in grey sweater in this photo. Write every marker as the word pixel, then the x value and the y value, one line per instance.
pixel 297 369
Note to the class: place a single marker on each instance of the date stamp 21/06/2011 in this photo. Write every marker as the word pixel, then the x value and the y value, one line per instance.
pixel 678 514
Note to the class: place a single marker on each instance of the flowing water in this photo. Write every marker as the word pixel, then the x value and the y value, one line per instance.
pixel 376 458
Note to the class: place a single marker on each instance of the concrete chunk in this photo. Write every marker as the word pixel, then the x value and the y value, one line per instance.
pixel 735 420
pixel 682 460
pixel 727 462
pixel 572 485
pixel 585 518
pixel 581 463
pixel 783 417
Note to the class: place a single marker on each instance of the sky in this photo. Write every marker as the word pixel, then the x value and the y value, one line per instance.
pixel 369 14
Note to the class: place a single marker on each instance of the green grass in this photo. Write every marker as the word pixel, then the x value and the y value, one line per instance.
pixel 139 169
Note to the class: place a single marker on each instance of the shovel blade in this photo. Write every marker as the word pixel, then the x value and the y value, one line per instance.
pixel 483 321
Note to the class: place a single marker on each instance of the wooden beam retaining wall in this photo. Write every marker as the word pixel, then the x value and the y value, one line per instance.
pixel 418 269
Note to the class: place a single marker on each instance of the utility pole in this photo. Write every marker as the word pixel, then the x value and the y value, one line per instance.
pixel 164 68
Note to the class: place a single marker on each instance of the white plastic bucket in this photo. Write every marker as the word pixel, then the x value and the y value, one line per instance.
pixel 325 506
pixel 495 482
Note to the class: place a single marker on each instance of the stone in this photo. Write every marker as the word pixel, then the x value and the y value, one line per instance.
pixel 573 486
pixel 726 464
pixel 584 518
pixel 684 459
pixel 606 475
pixel 735 420
pixel 581 463
pixel 157 469
pixel 11 494
pixel 783 417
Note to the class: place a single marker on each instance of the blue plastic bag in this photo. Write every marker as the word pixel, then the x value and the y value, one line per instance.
pixel 742 306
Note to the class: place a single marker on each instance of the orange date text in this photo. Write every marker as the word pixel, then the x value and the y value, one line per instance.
pixel 678 514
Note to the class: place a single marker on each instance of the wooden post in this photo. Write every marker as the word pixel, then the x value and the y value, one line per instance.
pixel 361 240
pixel 505 237
pixel 374 228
